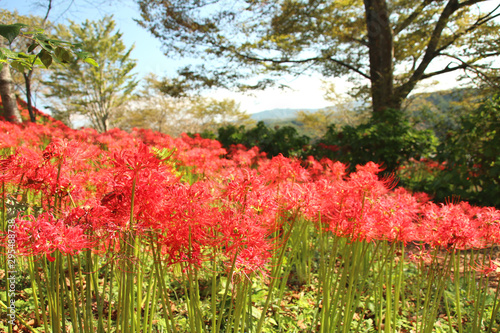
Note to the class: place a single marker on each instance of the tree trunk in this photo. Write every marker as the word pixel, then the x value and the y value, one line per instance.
pixel 10 110
pixel 381 53
pixel 27 81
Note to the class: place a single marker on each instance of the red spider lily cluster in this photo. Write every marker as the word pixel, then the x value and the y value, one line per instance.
pixel 95 188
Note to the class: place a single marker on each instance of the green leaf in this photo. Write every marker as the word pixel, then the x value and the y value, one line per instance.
pixel 11 31
pixel 256 313
pixel 20 66
pixel 91 61
pixel 8 54
pixel 45 57
pixel 46 46
pixel 63 55
pixel 82 55
pixel 32 47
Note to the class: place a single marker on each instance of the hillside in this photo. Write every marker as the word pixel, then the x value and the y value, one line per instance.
pixel 423 109
pixel 278 114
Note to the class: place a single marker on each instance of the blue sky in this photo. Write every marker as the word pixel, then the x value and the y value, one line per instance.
pixel 307 92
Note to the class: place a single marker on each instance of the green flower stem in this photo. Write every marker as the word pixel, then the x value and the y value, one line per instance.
pixel 63 291
pixel 147 301
pixel 50 295
pixel 139 290
pixel 110 294
pixel 226 290
pixel 388 301
pixel 240 305
pixel 87 314
pixel 69 299
pixel 167 308
pixel 274 277
pixel 399 284
pixel 74 297
pixel 456 280
pixel 480 300
pixel 213 299
pixel 448 314
pixel 88 292
pixel 34 288
pixel 126 296
pixel 355 276
pixel 94 274
pixel 119 301
pixel 495 311
pixel 38 282
pixel 34 330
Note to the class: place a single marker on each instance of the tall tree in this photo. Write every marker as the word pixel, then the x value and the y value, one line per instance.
pixel 159 111
pixel 390 44
pixel 95 92
pixel 9 102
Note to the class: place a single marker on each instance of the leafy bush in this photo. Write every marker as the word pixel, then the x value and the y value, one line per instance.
pixel 281 140
pixel 386 138
pixel 469 159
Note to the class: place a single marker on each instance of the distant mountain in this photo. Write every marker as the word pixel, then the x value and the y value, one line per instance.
pixel 278 114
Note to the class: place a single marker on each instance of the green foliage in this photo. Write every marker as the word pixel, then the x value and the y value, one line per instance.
pixel 153 108
pixel 387 138
pixel 471 157
pixel 441 111
pixel 42 50
pixel 282 140
pixel 95 92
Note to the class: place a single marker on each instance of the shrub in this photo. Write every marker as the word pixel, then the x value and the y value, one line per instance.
pixel 387 138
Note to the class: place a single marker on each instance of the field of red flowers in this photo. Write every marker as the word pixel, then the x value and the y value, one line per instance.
pixel 142 232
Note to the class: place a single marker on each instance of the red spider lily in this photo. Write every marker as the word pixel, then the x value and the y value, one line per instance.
pixel 489 225
pixel 333 148
pixel 487 269
pixel 280 168
pixel 10 135
pixel 136 159
pixel 69 152
pixel 185 222
pixel 46 234
pixel 367 183
pixel 246 157
pixel 395 216
pixel 249 217
pixel 334 170
pixel 6 168
pixel 449 226
pixel 140 175
pixel 156 139
pixel 91 217
pixel 314 167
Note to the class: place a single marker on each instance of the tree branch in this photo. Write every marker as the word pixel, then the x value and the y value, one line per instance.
pixel 479 22
pixel 451 7
pixel 301 61
pixel 354 69
pixel 406 22
pixel 49 7
pixel 445 70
